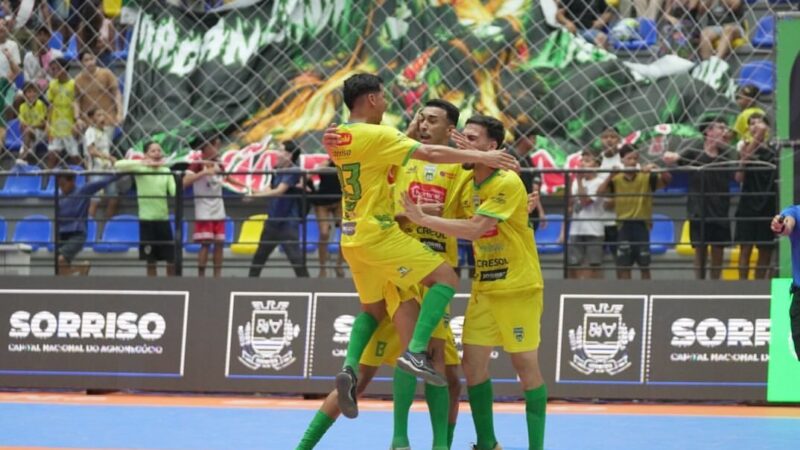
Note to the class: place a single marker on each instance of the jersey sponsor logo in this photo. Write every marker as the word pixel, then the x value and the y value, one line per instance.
pixel 435 245
pixel 447 175
pixel 403 271
pixel 348 228
pixel 345 139
pixel 493 275
pixel 426 193
pixel 600 344
pixel 491 262
pixel 491 247
pixel 492 232
pixel 425 231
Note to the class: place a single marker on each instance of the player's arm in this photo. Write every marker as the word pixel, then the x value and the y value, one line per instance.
pixel 440 154
pixel 784 223
pixel 468 229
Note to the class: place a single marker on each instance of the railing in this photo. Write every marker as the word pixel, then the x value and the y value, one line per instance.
pixel 28 220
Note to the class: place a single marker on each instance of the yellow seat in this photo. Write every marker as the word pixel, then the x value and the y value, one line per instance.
pixel 684 247
pixel 250 235
pixel 731 271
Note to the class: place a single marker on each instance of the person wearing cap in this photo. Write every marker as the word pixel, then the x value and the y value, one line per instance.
pixel 73 210
pixel 746 99
pixel 209 208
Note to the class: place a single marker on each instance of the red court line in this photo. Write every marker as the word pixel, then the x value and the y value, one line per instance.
pixel 384 405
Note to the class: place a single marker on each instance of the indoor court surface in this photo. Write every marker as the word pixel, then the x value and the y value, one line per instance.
pixel 72 421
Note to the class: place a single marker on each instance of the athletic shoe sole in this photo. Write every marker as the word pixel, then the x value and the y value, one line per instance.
pixel 432 378
pixel 344 389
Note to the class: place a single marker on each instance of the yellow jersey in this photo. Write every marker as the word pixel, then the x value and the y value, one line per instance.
pixel 62 115
pixel 364 157
pixel 433 183
pixel 505 256
pixel 33 115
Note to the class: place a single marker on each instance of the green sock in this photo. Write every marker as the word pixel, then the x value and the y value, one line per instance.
pixel 403 388
pixel 451 431
pixel 438 398
pixel 481 400
pixel 433 308
pixel 316 429
pixel 535 405
pixel 363 327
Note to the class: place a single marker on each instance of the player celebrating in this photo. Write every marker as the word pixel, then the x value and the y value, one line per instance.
pixel 506 302
pixel 375 248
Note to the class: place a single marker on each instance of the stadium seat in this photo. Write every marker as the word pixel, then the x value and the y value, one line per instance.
pixel 662 235
pixel 71 52
pixel 684 247
pixel 19 81
pixel 56 41
pixel 760 74
pixel 192 247
pixel 35 230
pixel 648 32
pixel 764 35
pixel 333 246
pixel 24 181
pixel 91 233
pixel 312 233
pixel 547 238
pixel 120 234
pixel 13 139
pixel 3 229
pixel 731 270
pixel 679 184
pixel 122 44
pixel 249 235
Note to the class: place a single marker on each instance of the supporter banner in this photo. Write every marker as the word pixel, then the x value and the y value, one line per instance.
pixel 648 340
pixel 84 333
pixel 274 70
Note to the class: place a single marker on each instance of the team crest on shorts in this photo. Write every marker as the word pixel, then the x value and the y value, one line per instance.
pixel 600 344
pixel 519 333
pixel 266 338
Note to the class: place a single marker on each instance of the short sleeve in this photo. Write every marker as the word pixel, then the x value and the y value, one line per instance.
pixel 504 196
pixel 395 147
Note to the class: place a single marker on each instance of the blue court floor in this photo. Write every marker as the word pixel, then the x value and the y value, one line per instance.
pixel 60 425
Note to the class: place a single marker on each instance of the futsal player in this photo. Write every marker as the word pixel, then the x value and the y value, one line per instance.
pixel 506 302
pixel 785 224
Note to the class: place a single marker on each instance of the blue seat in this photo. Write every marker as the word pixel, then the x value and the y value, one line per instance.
pixel 19 81
pixel 759 74
pixel 547 238
pixel 662 235
pixel 192 247
pixel 3 229
pixel 50 189
pixel 71 52
pixel 35 230
pixel 13 139
pixel 333 245
pixel 120 234
pixel 122 44
pixel 648 34
pixel 764 35
pixel 56 41
pixel 312 233
pixel 91 233
pixel 24 181
pixel 679 184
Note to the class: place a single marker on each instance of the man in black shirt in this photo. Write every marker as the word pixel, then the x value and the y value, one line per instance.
pixel 524 144
pixel 709 199
pixel 758 202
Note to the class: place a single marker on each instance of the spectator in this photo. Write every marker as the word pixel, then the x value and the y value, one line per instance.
pixel 97 143
pixel 154 183
pixel 327 201
pixel 524 144
pixel 98 88
pixel 63 116
pixel 647 8
pixel 746 99
pixel 39 58
pixel 10 61
pixel 586 17
pixel 73 209
pixel 709 199
pixel 284 216
pixel 209 207
pixel 586 233
pixel 681 30
pixel 609 154
pixel 725 28
pixel 633 205
pixel 32 120
pixel 758 201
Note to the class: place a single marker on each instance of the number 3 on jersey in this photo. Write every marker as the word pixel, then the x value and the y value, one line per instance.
pixel 349 176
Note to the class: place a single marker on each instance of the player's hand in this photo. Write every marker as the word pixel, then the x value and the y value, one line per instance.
pixel 413 211
pixel 533 201
pixel 330 140
pixel 782 225
pixel 498 159
pixel 460 140
pixel 433 209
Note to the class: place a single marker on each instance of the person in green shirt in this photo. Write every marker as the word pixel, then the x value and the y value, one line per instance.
pixel 154 183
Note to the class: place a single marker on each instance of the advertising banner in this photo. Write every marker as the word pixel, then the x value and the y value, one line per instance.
pixel 84 333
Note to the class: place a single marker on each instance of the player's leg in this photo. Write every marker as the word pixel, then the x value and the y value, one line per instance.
pixel 527 366
pixel 438 397
pixel 329 411
pixel 404 384
pixel 452 364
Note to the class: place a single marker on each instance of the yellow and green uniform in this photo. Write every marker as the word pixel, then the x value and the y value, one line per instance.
pixel 33 115
pixel 375 248
pixel 506 302
pixel 62 114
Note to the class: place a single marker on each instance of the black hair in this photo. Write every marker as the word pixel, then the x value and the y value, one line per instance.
pixel 449 108
pixel 92 112
pixel 206 137
pixel 528 130
pixel 711 121
pixel 28 86
pixel 67 175
pixel 358 85
pixel 494 128
pixel 62 62
pixel 625 149
pixel 147 145
pixel 293 150
pixel 84 53
pixel 612 128
pixel 758 116
pixel 590 153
